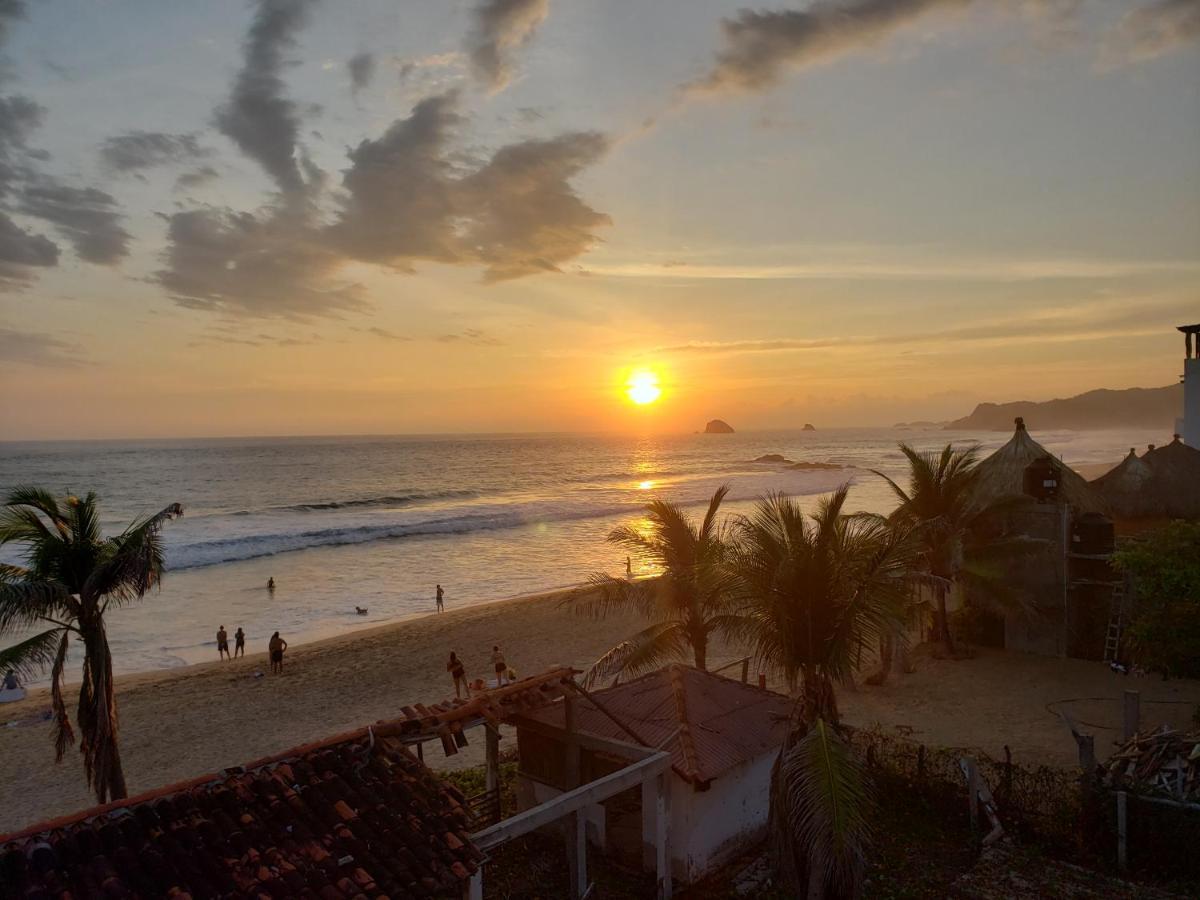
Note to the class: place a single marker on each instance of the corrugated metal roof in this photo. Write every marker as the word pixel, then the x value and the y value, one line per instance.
pixel 708 723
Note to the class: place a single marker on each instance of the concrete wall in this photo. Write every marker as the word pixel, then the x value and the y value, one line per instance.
pixel 709 827
pixel 1191 402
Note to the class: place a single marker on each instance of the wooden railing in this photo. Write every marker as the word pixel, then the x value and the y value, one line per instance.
pixel 484 809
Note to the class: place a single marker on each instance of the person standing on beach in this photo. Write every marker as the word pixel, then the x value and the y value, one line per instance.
pixel 628 567
pixel 459 673
pixel 499 664
pixel 441 603
pixel 239 643
pixel 271 584
pixel 276 647
pixel 223 643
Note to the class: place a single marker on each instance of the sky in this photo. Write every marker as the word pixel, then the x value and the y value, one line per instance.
pixel 417 216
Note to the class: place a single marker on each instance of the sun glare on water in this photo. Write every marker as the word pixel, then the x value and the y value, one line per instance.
pixel 642 388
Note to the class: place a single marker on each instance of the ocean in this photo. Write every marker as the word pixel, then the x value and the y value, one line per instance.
pixel 377 522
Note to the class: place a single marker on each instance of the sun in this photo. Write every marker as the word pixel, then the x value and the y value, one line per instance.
pixel 642 387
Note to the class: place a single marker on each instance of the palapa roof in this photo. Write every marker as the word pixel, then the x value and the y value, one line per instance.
pixel 709 724
pixel 1172 490
pixel 1002 475
pixel 1126 488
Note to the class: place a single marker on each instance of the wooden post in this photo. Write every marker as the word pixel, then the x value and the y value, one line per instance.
pixel 1132 718
pixel 421 751
pixel 973 794
pixel 1087 754
pixel 493 757
pixel 662 844
pixel 573 832
pixel 746 670
pixel 1122 848
pixel 649 824
pixel 580 880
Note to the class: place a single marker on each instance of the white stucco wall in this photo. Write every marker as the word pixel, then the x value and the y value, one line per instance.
pixel 1191 402
pixel 709 827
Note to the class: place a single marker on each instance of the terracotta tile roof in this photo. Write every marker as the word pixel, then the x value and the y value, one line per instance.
pixel 353 816
pixel 710 724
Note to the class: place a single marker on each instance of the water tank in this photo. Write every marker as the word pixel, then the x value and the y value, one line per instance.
pixel 1042 479
pixel 1093 534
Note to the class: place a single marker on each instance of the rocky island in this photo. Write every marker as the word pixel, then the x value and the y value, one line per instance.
pixel 718 426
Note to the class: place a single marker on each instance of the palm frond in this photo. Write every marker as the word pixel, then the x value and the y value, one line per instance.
pixel 607 594
pixel 644 652
pixel 828 808
pixel 31 656
pixel 64 737
pixel 24 604
pixel 135 562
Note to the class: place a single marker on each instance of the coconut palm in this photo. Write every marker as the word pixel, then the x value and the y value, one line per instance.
pixel 809 589
pixel 942 507
pixel 72 575
pixel 687 605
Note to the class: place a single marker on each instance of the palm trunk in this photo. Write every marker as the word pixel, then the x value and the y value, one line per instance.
pixel 700 650
pixel 98 719
pixel 943 623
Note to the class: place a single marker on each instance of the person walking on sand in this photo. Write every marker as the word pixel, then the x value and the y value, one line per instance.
pixel 441 601
pixel 271 584
pixel 499 664
pixel 239 643
pixel 459 673
pixel 223 643
pixel 628 567
pixel 276 647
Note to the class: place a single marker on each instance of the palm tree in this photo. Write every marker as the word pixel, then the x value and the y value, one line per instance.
pixel 72 575
pixel 941 507
pixel 688 604
pixel 809 590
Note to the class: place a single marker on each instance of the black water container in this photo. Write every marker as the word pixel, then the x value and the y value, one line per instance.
pixel 1093 534
pixel 1042 479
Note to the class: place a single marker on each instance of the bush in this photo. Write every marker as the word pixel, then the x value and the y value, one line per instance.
pixel 1165 632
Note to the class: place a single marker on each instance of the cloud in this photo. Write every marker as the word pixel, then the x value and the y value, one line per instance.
pixel 196 177
pixel 258 118
pixel 760 47
pixel 36 348
pixel 1153 30
pixel 361 67
pixel 270 263
pixel 399 202
pixel 386 334
pixel 21 251
pixel 470 336
pixel 137 150
pixel 87 217
pixel 502 27
pixel 10 11
pixel 522 216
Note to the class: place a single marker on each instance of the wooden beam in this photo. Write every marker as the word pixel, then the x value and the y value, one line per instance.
pixel 493 757
pixel 566 803
pixel 662 845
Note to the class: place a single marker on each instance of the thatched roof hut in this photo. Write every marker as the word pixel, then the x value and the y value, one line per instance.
pixel 1127 488
pixel 1002 475
pixel 1173 490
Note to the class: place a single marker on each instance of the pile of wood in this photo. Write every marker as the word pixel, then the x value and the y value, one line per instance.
pixel 1162 762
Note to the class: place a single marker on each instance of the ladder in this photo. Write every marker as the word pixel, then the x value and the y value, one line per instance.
pixel 1116 623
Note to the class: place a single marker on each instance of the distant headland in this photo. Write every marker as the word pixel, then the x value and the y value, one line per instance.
pixel 1130 408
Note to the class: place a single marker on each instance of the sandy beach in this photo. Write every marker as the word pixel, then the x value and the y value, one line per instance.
pixel 185 722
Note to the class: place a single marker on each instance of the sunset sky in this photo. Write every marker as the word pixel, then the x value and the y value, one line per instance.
pixel 378 216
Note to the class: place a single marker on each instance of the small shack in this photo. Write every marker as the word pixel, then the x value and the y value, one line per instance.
pixel 722 736
pixel 1064 575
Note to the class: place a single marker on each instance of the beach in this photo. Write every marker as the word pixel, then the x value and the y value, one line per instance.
pixel 185 722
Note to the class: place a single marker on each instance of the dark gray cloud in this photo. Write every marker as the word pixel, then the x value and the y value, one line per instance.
pixel 137 150
pixel 270 263
pixel 500 28
pixel 194 178
pixel 10 11
pixel 522 215
pixel 21 252
pixel 258 117
pixel 361 67
pixel 1154 30
pixel 34 348
pixel 87 217
pixel 399 200
pixel 759 47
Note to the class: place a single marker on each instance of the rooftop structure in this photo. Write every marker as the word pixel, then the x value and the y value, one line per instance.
pixel 1190 425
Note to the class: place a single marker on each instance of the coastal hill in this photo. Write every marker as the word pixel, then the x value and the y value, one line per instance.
pixel 718 426
pixel 1131 408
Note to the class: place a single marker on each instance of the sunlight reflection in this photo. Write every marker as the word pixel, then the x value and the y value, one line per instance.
pixel 645 485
